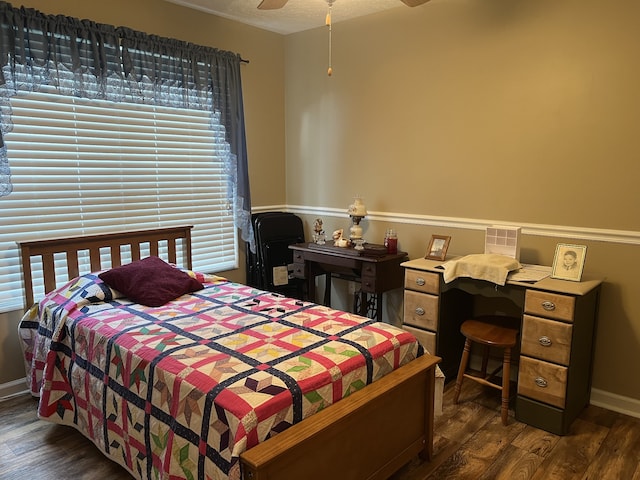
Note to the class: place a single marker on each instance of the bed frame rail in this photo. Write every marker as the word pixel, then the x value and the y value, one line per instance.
pixel 178 241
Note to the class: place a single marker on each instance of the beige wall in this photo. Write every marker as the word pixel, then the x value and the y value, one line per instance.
pixel 263 87
pixel 483 111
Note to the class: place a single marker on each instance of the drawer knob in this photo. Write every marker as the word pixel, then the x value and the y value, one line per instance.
pixel 420 281
pixel 419 311
pixel 549 306
pixel 541 382
pixel 545 341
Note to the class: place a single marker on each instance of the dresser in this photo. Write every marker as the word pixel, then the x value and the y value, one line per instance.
pixel 556 338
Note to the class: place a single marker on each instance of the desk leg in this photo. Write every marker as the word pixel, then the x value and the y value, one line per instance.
pixel 378 307
pixel 368 305
pixel 311 287
pixel 360 303
pixel 327 289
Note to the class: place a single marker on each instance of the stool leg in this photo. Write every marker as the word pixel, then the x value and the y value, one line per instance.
pixel 506 367
pixel 485 360
pixel 463 367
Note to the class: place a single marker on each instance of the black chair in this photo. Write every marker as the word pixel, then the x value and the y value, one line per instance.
pixel 270 267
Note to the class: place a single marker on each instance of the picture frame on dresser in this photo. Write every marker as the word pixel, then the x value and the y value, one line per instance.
pixel 568 262
pixel 438 246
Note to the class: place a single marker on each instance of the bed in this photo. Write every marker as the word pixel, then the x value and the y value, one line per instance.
pixel 224 382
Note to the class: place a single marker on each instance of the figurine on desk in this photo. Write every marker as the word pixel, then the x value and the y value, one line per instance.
pixel 339 240
pixel 318 235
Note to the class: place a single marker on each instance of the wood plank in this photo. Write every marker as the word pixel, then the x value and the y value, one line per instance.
pixel 533 440
pixel 481 451
pixel 624 436
pixel 573 453
pixel 512 463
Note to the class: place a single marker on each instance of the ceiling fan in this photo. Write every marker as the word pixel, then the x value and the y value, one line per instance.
pixel 275 4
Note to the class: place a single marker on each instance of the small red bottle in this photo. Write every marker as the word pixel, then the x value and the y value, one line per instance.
pixel 391 241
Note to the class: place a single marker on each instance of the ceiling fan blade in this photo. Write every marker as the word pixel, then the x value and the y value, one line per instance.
pixel 272 4
pixel 414 3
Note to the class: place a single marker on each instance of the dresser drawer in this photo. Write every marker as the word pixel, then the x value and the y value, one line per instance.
pixel 422 281
pixel 542 381
pixel 546 339
pixel 551 305
pixel 426 339
pixel 421 310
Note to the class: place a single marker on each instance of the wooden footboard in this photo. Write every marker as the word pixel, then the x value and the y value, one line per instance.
pixel 368 435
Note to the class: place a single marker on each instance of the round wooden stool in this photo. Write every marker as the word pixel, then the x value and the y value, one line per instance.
pixel 489 331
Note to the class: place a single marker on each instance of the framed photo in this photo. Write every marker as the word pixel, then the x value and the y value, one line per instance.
pixel 568 262
pixel 437 249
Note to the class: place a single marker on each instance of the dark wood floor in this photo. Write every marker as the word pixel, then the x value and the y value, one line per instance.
pixel 470 443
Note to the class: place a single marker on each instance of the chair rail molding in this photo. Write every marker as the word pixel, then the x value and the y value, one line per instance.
pixel 542 230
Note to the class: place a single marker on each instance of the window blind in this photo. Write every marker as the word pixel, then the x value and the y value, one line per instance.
pixel 92 166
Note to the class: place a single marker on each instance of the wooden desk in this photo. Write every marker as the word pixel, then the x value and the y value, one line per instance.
pixel 556 338
pixel 376 274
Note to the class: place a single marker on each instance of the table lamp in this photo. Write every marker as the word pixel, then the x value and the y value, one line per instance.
pixel 357 211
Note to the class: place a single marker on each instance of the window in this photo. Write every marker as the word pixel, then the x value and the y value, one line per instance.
pixel 141 152
pixel 83 166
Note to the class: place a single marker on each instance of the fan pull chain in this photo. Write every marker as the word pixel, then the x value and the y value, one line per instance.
pixel 328 23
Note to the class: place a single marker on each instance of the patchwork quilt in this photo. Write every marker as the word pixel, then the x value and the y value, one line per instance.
pixel 181 390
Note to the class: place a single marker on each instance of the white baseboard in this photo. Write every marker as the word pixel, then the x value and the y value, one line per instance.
pixel 617 403
pixel 13 388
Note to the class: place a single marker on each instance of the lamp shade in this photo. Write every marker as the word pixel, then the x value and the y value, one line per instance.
pixel 357 208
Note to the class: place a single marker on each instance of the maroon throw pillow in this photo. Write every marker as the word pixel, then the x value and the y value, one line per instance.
pixel 150 281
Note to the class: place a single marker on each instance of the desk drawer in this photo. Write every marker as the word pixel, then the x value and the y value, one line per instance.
pixel 299 270
pixel 426 339
pixel 545 304
pixel 542 381
pixel 422 281
pixel 421 310
pixel 368 284
pixel 546 339
pixel 368 269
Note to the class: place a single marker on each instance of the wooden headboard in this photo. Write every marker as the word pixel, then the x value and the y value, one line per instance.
pixel 42 253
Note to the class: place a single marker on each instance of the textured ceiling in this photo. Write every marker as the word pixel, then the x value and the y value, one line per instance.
pixel 295 16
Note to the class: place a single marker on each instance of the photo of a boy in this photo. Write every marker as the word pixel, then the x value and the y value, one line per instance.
pixel 568 262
